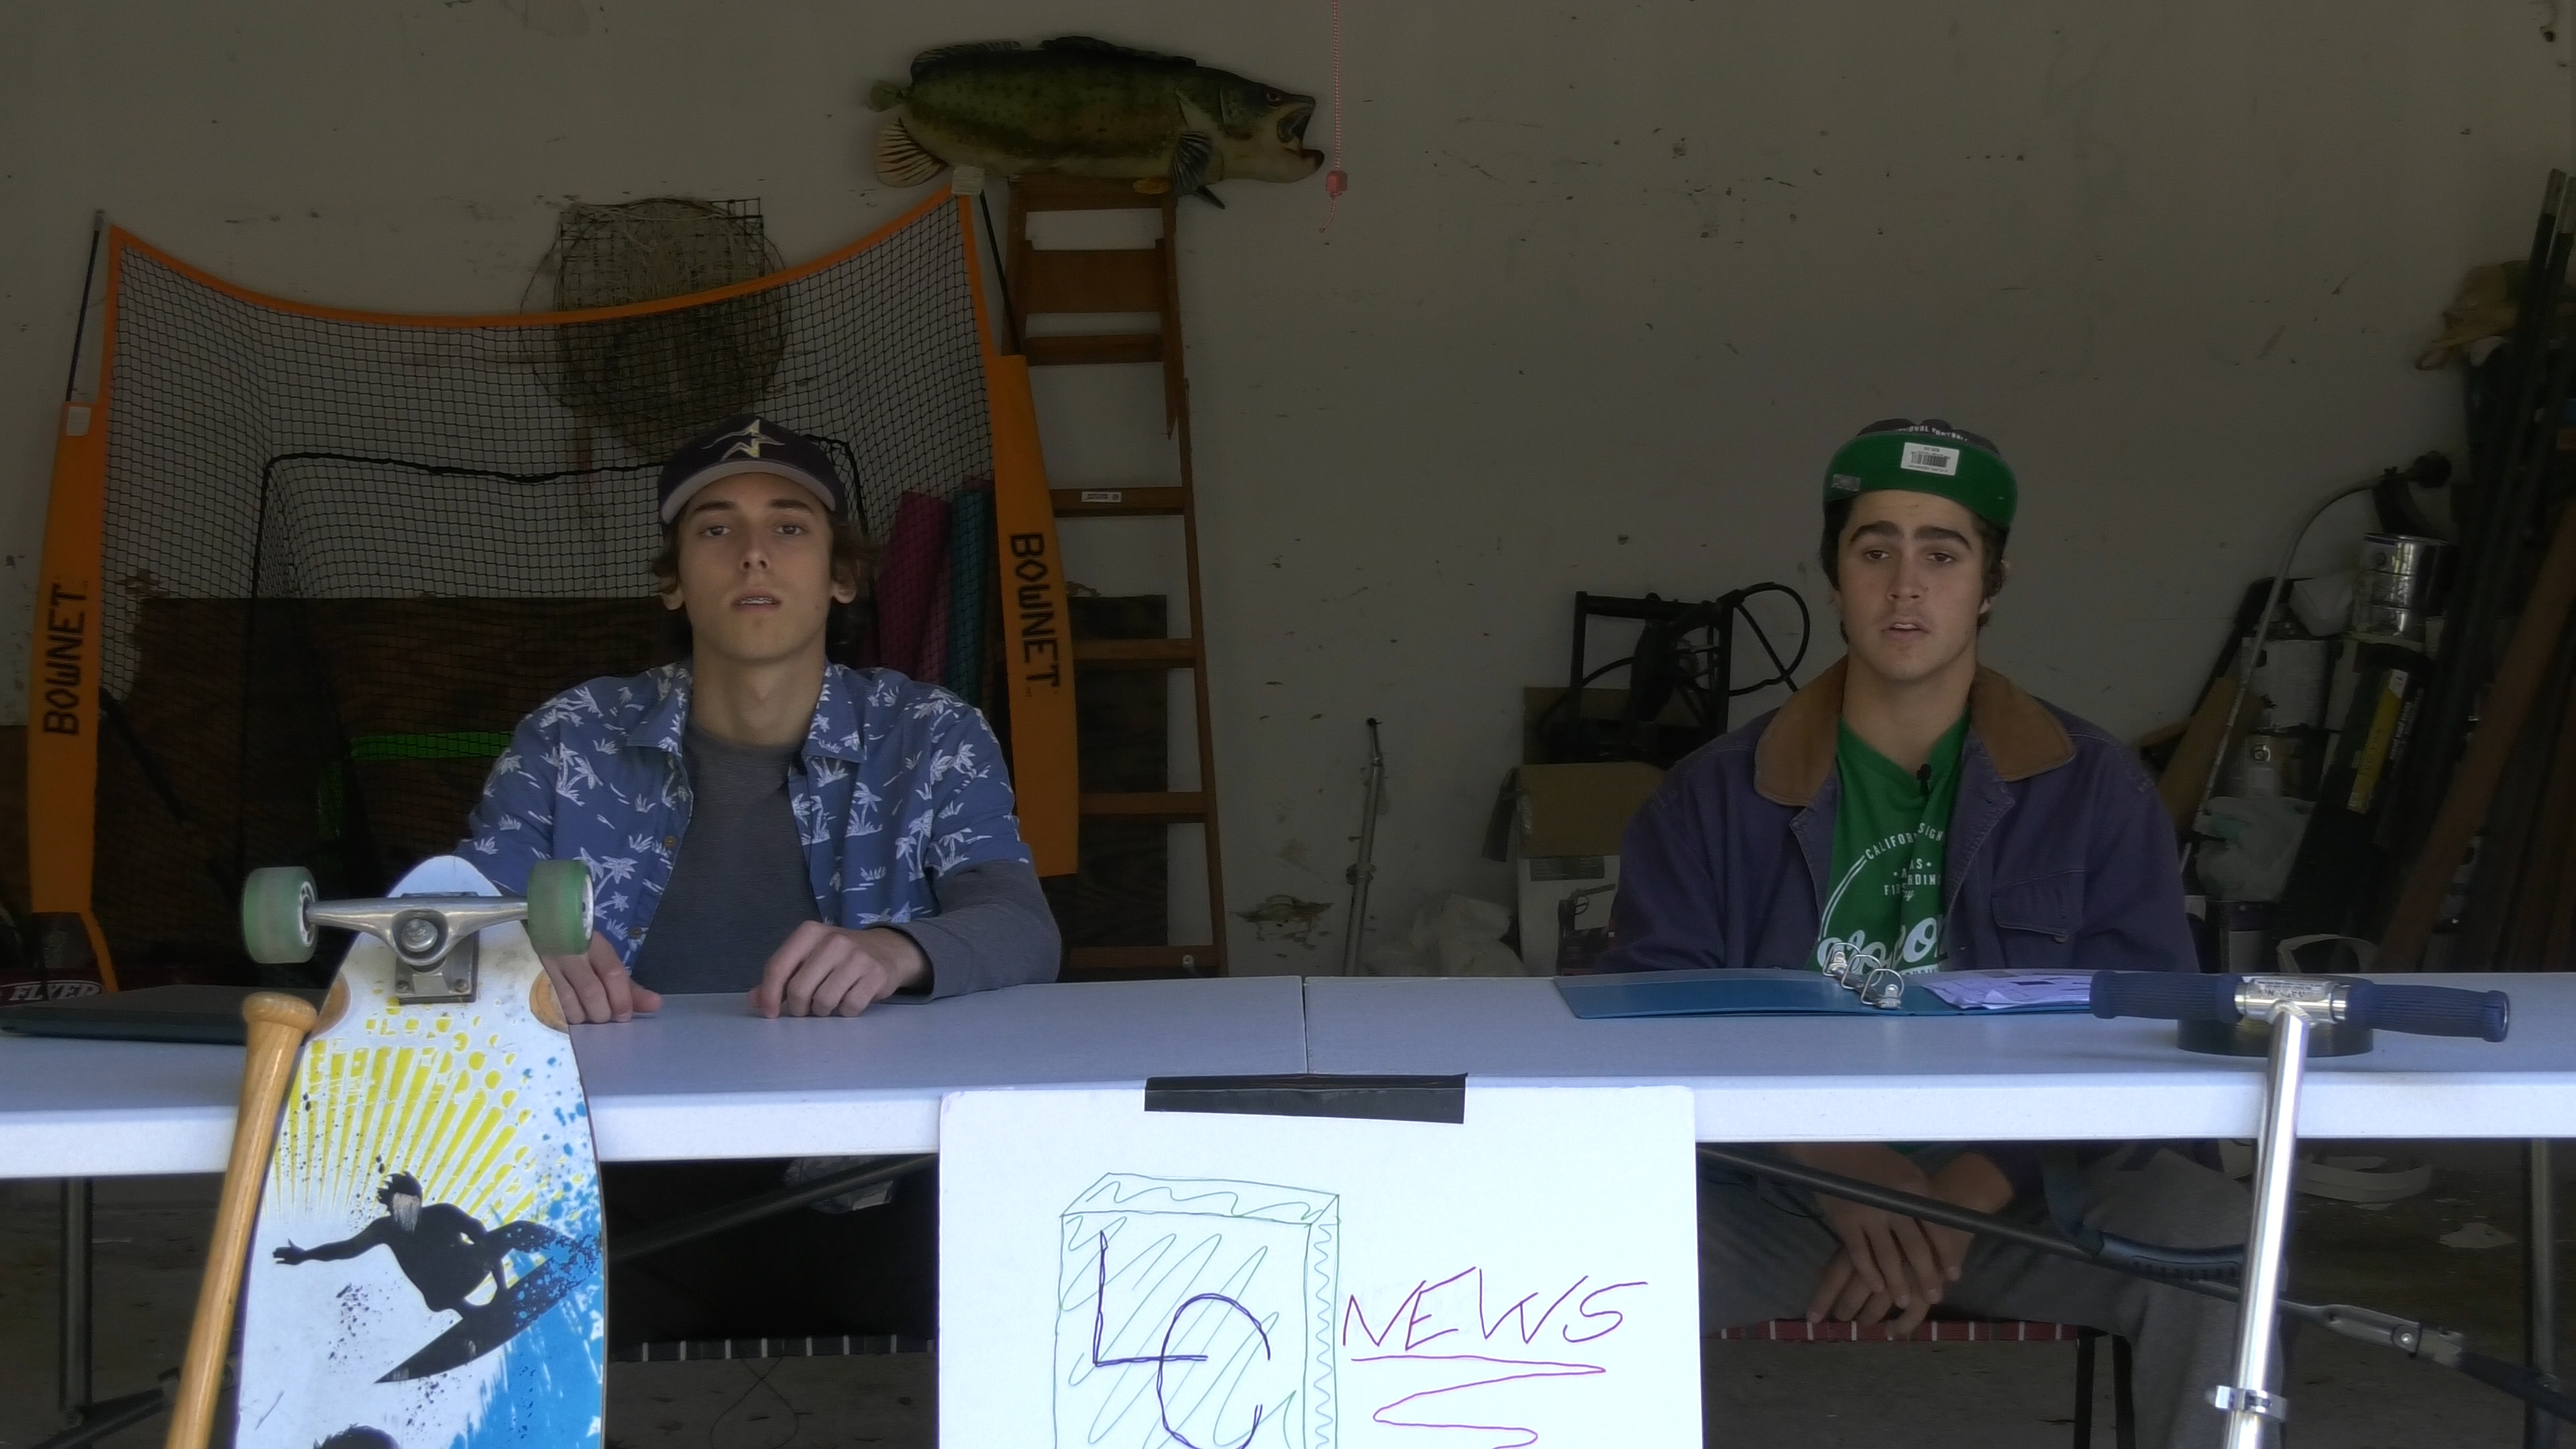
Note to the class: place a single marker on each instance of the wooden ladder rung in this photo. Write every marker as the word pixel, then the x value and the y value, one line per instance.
pixel 1120 502
pixel 1137 653
pixel 1091 348
pixel 1141 960
pixel 1126 279
pixel 1039 192
pixel 1116 287
pixel 1166 807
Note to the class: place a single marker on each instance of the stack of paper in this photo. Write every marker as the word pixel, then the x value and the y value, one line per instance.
pixel 2006 990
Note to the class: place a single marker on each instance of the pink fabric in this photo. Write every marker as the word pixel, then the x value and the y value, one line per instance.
pixel 909 584
pixel 934 629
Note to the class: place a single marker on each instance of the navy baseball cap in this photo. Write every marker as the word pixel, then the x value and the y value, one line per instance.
pixel 751 444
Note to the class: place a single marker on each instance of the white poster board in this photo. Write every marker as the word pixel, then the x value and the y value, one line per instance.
pixel 1113 1278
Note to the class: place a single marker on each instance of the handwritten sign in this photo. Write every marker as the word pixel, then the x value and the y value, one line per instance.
pixel 1112 1278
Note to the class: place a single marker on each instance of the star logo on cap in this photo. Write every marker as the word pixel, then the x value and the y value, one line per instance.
pixel 747 443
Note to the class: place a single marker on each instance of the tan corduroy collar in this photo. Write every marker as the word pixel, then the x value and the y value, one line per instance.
pixel 1797 750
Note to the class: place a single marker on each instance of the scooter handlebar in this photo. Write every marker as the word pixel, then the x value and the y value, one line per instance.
pixel 2430 1010
pixel 2415 1010
pixel 2165 995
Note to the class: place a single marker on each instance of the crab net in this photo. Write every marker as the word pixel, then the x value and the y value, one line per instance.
pixel 342 554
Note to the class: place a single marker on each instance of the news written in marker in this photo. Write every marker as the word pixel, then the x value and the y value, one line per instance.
pixel 1110 1275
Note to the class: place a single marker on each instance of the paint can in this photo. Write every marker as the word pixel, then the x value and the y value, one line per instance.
pixel 2400 584
pixel 2290 675
pixel 2388 621
pixel 2401 570
pixel 2253 772
pixel 2269 765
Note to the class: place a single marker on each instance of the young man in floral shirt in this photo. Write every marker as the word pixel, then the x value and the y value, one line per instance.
pixel 756 818
pixel 760 820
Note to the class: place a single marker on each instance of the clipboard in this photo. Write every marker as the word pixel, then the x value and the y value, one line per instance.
pixel 1761 993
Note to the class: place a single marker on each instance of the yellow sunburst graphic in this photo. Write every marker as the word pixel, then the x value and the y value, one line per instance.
pixel 431 1091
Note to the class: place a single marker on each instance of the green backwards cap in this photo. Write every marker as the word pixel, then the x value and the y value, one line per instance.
pixel 1926 457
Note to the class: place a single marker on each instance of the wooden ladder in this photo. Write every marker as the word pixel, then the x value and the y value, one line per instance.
pixel 1129 280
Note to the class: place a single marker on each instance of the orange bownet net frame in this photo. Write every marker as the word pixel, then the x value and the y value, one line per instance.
pixel 304 567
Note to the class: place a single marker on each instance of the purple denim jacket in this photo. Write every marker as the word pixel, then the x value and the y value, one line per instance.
pixel 2061 855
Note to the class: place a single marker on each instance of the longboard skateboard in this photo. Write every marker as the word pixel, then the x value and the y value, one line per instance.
pixel 426 1269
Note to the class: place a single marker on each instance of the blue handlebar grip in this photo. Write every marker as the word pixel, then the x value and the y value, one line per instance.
pixel 2430 1010
pixel 2165 995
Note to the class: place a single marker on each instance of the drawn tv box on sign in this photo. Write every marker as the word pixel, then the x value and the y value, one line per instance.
pixel 1156 1272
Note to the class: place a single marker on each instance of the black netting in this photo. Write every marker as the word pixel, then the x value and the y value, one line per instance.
pixel 342 558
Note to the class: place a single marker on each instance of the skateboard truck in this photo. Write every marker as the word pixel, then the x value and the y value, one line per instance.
pixel 432 937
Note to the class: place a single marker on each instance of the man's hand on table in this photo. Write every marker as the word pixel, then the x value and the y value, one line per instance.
pixel 835 971
pixel 1890 1263
pixel 594 986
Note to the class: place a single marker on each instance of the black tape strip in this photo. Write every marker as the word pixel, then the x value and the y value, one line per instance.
pixel 1373 1099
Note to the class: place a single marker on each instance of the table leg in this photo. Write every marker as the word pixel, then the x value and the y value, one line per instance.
pixel 2540 1288
pixel 86 1422
pixel 75 1335
pixel 99 1421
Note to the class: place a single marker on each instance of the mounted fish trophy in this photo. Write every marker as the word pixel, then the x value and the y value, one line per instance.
pixel 1082 107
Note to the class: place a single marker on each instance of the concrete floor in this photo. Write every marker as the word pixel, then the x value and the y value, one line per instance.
pixel 151 1235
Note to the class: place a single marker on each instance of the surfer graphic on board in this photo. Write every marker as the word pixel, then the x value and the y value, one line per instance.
pixel 447 1254
pixel 444 1250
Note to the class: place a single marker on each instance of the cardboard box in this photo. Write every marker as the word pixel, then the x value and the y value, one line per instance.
pixel 1567 822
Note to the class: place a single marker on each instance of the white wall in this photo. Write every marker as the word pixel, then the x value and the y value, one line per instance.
pixel 1611 281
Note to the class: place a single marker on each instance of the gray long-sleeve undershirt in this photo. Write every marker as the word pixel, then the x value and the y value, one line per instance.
pixel 738 888
pixel 993 929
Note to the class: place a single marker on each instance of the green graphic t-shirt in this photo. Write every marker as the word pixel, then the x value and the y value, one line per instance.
pixel 1891 836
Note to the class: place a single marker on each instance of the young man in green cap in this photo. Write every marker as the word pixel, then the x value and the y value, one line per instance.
pixel 1918 808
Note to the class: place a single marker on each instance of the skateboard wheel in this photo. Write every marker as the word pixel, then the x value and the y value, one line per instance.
pixel 275 928
pixel 559 907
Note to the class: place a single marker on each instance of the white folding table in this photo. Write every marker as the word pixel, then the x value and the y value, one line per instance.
pixel 1972 1078
pixel 1955 1079
pixel 702 1079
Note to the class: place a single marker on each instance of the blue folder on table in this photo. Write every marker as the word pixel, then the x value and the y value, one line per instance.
pixel 1767 993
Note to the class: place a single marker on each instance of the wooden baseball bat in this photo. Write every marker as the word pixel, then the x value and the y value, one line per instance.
pixel 278 1024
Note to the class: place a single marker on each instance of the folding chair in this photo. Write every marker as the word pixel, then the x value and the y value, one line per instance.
pixel 2124 1417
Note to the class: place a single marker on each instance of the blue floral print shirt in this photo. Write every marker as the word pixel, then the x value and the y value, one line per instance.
pixel 898 782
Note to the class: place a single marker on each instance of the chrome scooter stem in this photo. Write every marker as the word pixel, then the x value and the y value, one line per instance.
pixel 2250 1404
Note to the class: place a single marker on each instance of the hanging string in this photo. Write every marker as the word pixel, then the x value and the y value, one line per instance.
pixel 1336 181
